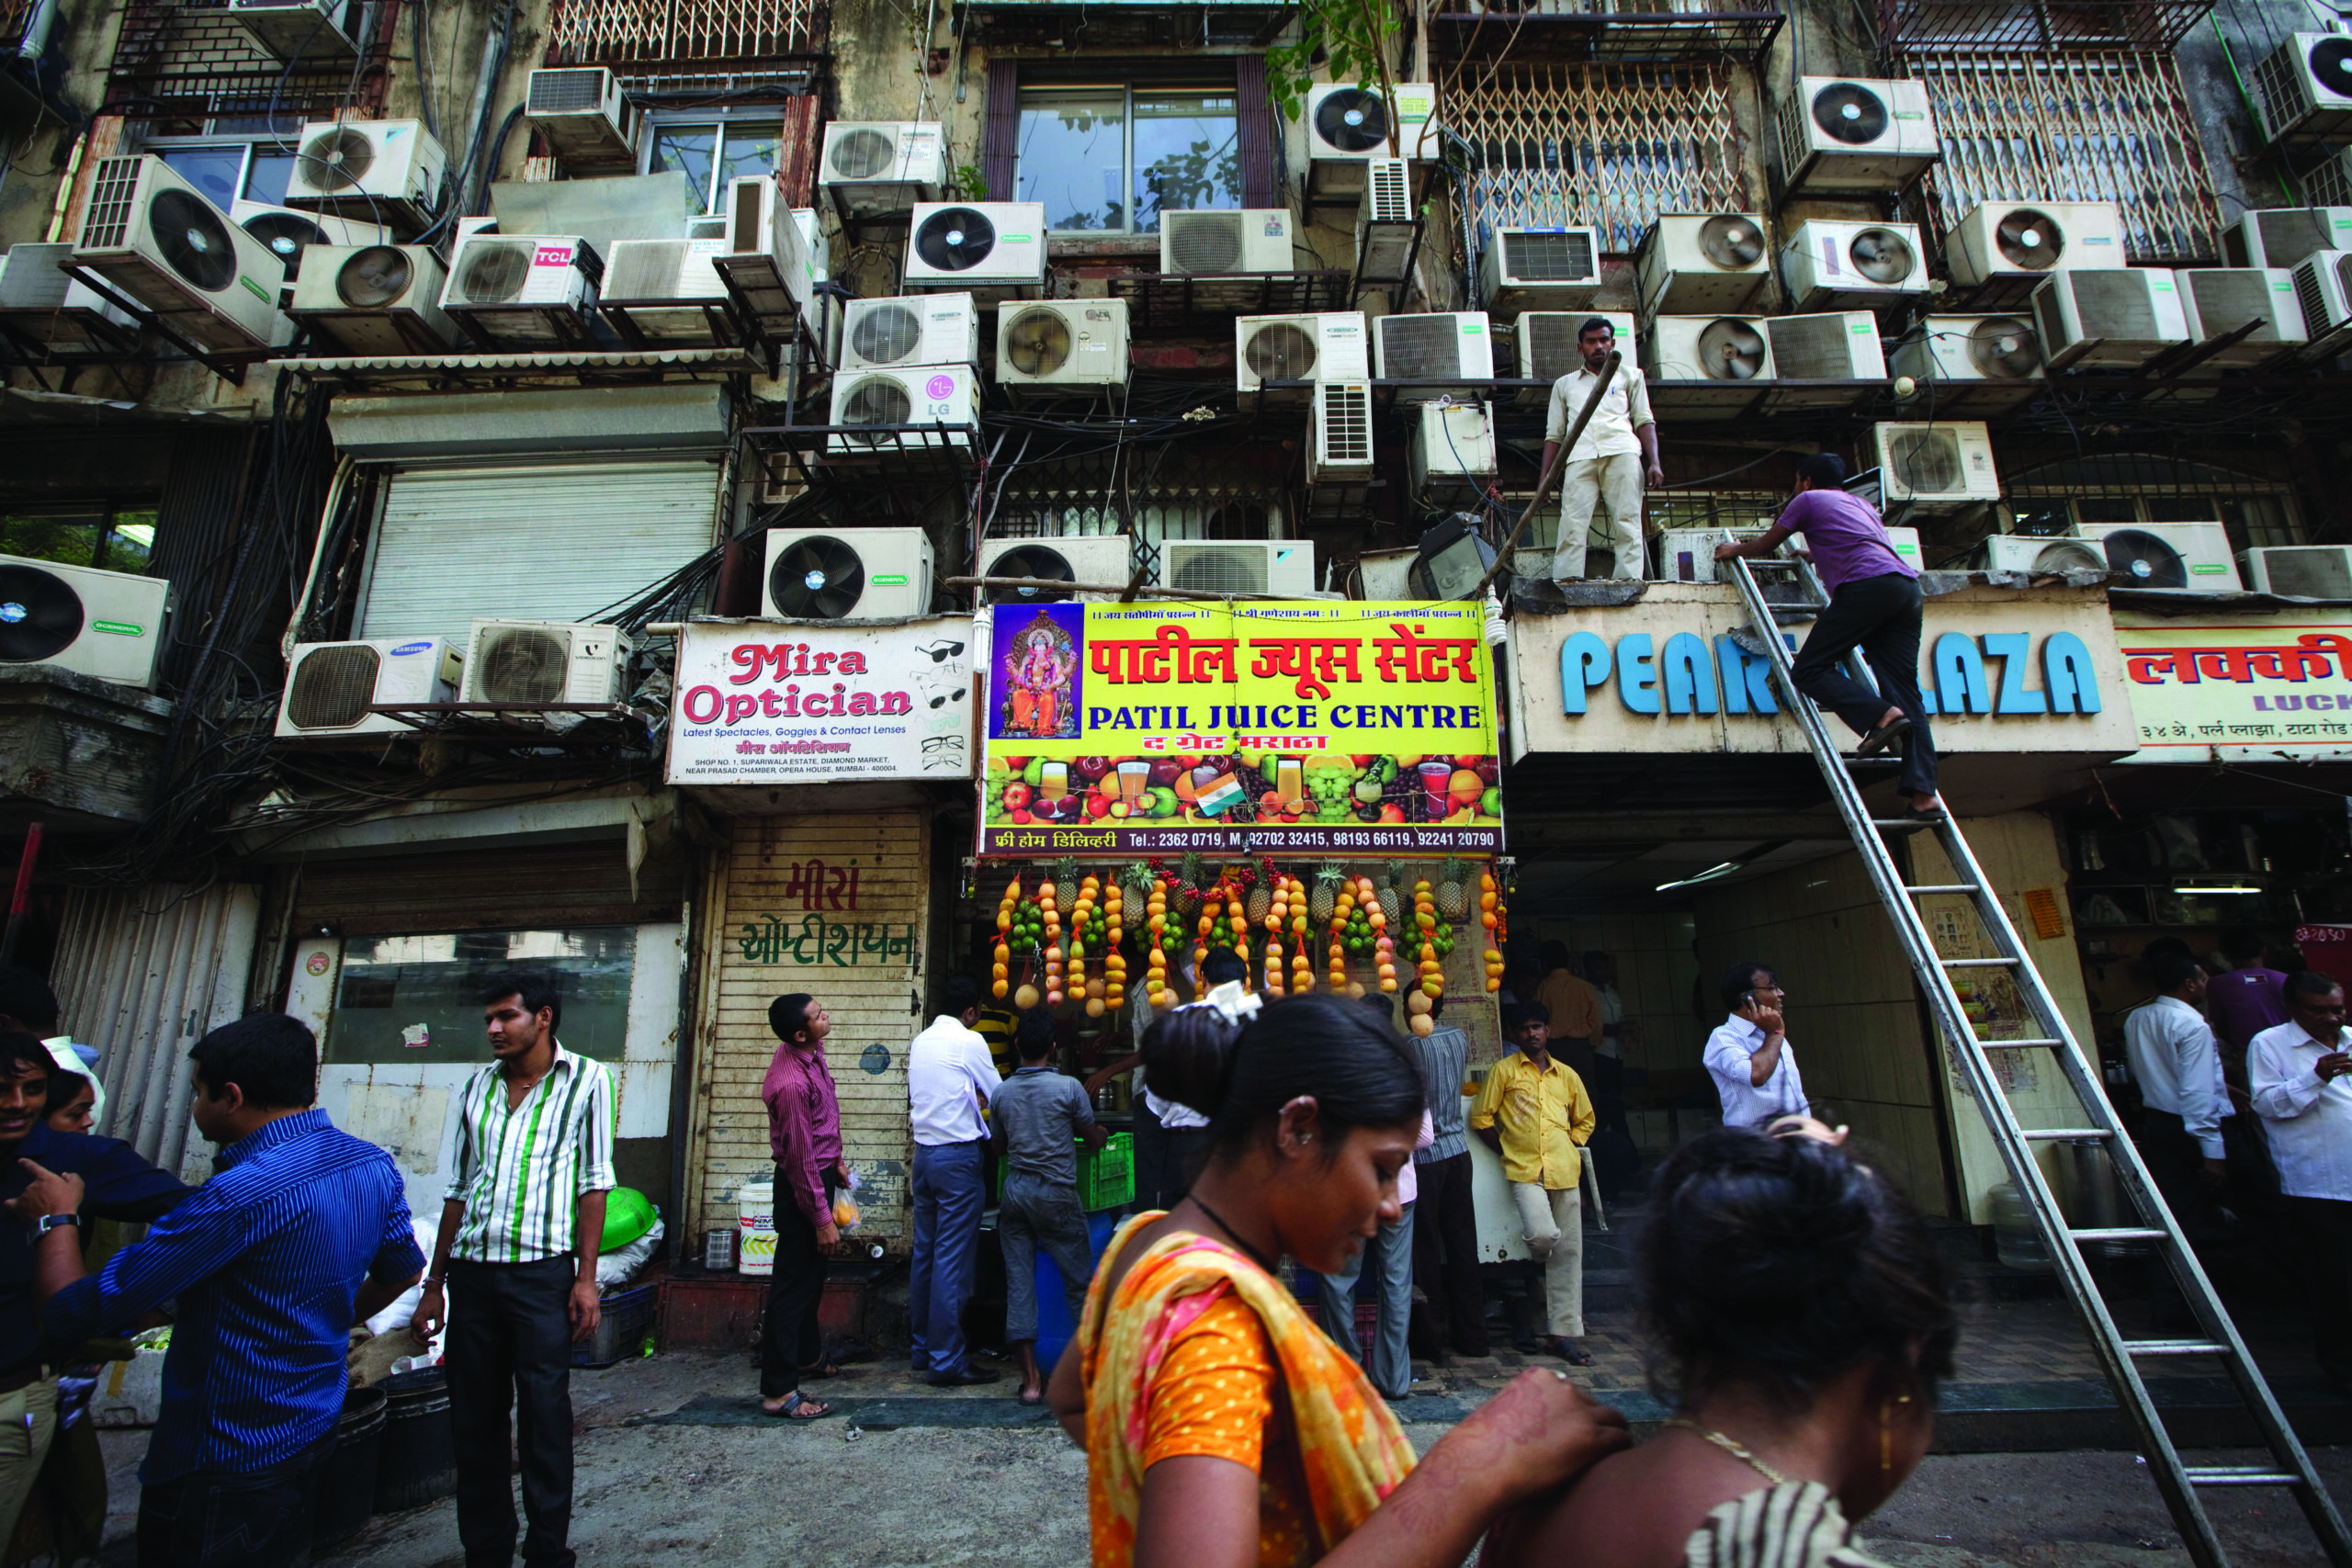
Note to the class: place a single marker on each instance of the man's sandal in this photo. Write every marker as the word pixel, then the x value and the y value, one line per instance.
pixel 797 1406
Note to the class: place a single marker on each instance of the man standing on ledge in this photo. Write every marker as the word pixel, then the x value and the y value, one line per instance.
pixel 519 1235
pixel 1614 455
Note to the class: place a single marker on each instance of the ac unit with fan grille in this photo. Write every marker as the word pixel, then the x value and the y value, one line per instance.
pixel 852 574
pixel 105 624
pixel 1446 354
pixel 1969 348
pixel 157 240
pixel 1838 345
pixel 39 301
pixel 921 328
pixel 1053 343
pixel 993 248
pixel 1340 445
pixel 1539 269
pixel 1843 133
pixel 581 111
pixel 2222 299
pixel 2282 236
pixel 1217 243
pixel 1694 263
pixel 1388 225
pixel 331 685
pixel 2324 290
pixel 2299 571
pixel 1687 555
pixel 1853 266
pixel 288 233
pixel 665 289
pixel 2020 239
pixel 1348 126
pixel 1215 566
pixel 2033 555
pixel 1329 346
pixel 930 396
pixel 523 288
pixel 374 299
pixel 2194 557
pixel 317 32
pixel 1549 346
pixel 1730 349
pixel 1933 468
pixel 2303 88
pixel 385 171
pixel 875 167
pixel 1451 459
pixel 2118 317
pixel 1099 560
pixel 545 662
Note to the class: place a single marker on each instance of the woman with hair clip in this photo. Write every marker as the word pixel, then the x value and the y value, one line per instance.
pixel 1223 1429
pixel 1803 1317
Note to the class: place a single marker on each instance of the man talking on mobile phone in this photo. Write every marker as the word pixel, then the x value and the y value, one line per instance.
pixel 1749 1056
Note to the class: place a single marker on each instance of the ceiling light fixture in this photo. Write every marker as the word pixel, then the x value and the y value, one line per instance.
pixel 2234 887
pixel 1712 873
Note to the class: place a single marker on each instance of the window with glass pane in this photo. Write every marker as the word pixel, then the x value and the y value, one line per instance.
pixel 1073 156
pixel 120 539
pixel 418 998
pixel 1187 154
pixel 218 172
pixel 711 155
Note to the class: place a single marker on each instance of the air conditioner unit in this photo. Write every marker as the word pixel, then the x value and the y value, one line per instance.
pixel 1687 555
pixel 1856 134
pixel 998 246
pixel 1100 559
pixel 104 624
pixel 1451 459
pixel 874 168
pixel 663 289
pixel 330 686
pixel 1330 346
pixel 1731 349
pixel 315 31
pixel 2324 290
pixel 1969 348
pixel 1387 223
pixel 1448 353
pixel 1933 468
pixel 372 170
pixel 1549 346
pixel 288 233
pixel 2222 299
pixel 1539 269
pixel 2019 239
pixel 2282 236
pixel 157 240
pixel 2192 556
pixel 814 244
pixel 1348 126
pixel 2116 317
pixel 854 575
pixel 374 299
pixel 40 301
pixel 523 288
pixel 545 662
pixel 764 259
pixel 1693 263
pixel 923 329
pixel 581 111
pixel 1214 567
pixel 1842 266
pixel 930 396
pixel 2299 571
pixel 2303 88
pixel 1211 244
pixel 2034 555
pixel 1840 345
pixel 1342 447
pixel 1054 344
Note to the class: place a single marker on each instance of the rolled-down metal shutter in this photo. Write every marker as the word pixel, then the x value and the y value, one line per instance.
pixel 557 543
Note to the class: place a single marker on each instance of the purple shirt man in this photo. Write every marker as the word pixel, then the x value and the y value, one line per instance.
pixel 804 1127
pixel 1843 532
pixel 2244 1002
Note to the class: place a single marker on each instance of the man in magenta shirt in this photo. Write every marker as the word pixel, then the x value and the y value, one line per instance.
pixel 805 1133
pixel 1875 605
pixel 2248 999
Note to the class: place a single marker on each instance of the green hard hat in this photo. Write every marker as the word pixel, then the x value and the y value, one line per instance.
pixel 628 1215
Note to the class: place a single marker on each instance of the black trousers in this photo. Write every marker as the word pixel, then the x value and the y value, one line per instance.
pixel 1445 1261
pixel 509 1347
pixel 789 1338
pixel 1879 616
pixel 212 1519
pixel 2321 1229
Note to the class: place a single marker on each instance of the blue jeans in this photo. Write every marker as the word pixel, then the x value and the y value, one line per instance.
pixel 213 1519
pixel 1390 1257
pixel 949 1190
pixel 1034 1213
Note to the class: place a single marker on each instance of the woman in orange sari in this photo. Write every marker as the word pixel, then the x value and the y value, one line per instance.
pixel 1222 1428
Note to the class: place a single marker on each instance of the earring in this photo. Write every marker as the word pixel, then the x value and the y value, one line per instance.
pixel 1886 1433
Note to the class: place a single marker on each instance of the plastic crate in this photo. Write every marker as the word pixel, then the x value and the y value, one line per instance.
pixel 1106 1177
pixel 625 1318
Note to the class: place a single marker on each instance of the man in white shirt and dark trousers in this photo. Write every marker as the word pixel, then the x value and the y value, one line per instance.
pixel 2178 1066
pixel 2296 1071
pixel 950 1079
pixel 1616 453
pixel 1749 1056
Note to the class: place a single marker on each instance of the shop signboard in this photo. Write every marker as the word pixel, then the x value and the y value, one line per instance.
pixel 2215 687
pixel 1317 726
pixel 813 702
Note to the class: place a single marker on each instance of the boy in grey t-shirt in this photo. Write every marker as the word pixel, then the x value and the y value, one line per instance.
pixel 1036 1121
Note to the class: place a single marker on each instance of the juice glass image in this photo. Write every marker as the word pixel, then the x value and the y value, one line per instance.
pixel 1435 779
pixel 1290 780
pixel 1133 779
pixel 1052 780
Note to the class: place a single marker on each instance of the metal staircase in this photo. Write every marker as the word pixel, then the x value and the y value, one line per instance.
pixel 2291 1467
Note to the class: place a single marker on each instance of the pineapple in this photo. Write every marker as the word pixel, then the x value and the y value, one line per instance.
pixel 1066 882
pixel 1452 899
pixel 1260 903
pixel 1134 895
pixel 1391 902
pixel 1326 896
pixel 1185 897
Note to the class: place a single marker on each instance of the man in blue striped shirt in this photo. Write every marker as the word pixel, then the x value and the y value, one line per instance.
pixel 301 1232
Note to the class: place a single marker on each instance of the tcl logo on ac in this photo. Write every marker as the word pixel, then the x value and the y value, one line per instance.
pixel 552 255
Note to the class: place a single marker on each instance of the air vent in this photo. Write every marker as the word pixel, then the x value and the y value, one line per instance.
pixel 569 92
pixel 2303 572
pixel 522 664
pixel 112 204
pixel 1926 461
pixel 1565 257
pixel 2289 234
pixel 647 270
pixel 334 687
pixel 1812 348
pixel 1347 427
pixel 1217 571
pixel 1552 349
pixel 1282 352
pixel 1207 245
pixel 2118 302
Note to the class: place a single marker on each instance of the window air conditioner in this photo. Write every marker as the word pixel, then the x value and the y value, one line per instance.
pixel 105 624
pixel 1450 352
pixel 2011 239
pixel 1546 344
pixel 873 168
pixel 2191 555
pixel 998 246
pixel 763 252
pixel 2102 316
pixel 1694 263
pixel 1329 346
pixel 1841 266
pixel 2303 88
pixel 1348 126
pixel 1386 221
pixel 331 685
pixel 929 396
pixel 374 299
pixel 1211 568
pixel 923 328
pixel 371 171
pixel 1840 345
pixel 2329 185
pixel 1213 243
pixel 2221 299
pixel 545 662
pixel 1943 466
pixel 1687 555
pixel 1342 447
pixel 2324 290
pixel 1539 269
pixel 1451 459
pixel 318 32
pixel 1100 559
pixel 661 288
pixel 2299 571
pixel 1856 134
pixel 2282 236
pixel 814 244
pixel 37 301
pixel 2033 555
pixel 1969 348
pixel 580 110
pixel 523 288
pixel 1707 348
pixel 288 233
pixel 157 240
pixel 1055 344
pixel 854 575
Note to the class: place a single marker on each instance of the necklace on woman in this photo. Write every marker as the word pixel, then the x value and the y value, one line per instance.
pixel 1730 1445
pixel 1234 1236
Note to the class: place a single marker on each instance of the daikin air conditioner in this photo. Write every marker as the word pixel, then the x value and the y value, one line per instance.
pixel 2324 290
pixel 1348 126
pixel 983 245
pixel 1969 348
pixel 2035 555
pixel 523 288
pixel 374 299
pixel 2299 571
pixel 330 686
pixel 2304 87
pixel 2282 236
pixel 851 574
pixel 157 240
pixel 2192 556
pixel 1838 345
pixel 2114 317
pixel 1213 567
pixel 1051 346
pixel 317 32
pixel 873 168
pixel 288 233
pixel 1341 446
pixel 387 171
pixel 1539 269
pixel 2222 299
pixel 1099 560
pixel 1388 224
pixel 1861 266
pixel 1444 353
pixel 1689 263
pixel 2027 238
pixel 1212 243
pixel 931 397
pixel 1549 344
pixel 545 662
pixel 40 301
pixel 1330 346
pixel 581 111
pixel 921 329
pixel 104 624
pixel 1451 459
pixel 665 289
pixel 1946 466
pixel 1856 134
pixel 1707 348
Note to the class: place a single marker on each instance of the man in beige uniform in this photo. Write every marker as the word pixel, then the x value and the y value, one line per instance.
pixel 1617 452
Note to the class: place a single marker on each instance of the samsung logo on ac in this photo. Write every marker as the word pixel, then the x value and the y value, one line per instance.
pixel 409 647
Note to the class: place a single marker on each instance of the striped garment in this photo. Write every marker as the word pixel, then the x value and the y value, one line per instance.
pixel 520 1173
pixel 1793 1525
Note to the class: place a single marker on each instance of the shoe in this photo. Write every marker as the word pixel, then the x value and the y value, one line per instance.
pixel 1570 1350
pixel 1884 736
pixel 967 1378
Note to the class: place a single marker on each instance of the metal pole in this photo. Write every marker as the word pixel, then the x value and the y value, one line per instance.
pixel 1544 481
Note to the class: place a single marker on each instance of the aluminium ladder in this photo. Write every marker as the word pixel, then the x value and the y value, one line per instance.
pixel 2291 1467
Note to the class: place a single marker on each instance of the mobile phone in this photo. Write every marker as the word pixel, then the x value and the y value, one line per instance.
pixel 1748 998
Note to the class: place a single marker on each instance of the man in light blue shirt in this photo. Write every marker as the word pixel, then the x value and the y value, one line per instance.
pixel 2177 1068
pixel 1749 1057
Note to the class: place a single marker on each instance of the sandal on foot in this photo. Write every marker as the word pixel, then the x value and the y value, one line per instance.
pixel 1032 1400
pixel 797 1406
pixel 1884 736
pixel 1571 1352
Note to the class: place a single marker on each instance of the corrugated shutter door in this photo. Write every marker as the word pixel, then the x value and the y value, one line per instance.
pixel 535 543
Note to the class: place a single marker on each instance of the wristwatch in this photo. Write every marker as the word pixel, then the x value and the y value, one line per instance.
pixel 48 1223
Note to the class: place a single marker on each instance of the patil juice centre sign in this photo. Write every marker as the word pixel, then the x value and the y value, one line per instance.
pixel 1319 725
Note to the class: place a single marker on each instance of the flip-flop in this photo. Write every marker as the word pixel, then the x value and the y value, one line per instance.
pixel 1884 736
pixel 1033 1401
pixel 798 1407
pixel 1571 1352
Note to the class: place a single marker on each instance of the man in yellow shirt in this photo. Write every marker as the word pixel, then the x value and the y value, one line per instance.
pixel 1534 1111
pixel 1575 1007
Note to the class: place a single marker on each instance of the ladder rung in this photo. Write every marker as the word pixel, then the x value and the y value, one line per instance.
pixel 1908 823
pixel 1981 963
pixel 2120 1232
pixel 2053 1134
pixel 2017 1045
pixel 2175 1347
pixel 2238 1475
pixel 1944 887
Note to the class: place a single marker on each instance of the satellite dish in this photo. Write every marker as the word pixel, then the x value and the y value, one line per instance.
pixel 1038 342
pixel 1851 113
pixel 1352 121
pixel 2029 238
pixel 956 239
pixel 2144 560
pixel 1731 350
pixel 194 239
pixel 2004 348
pixel 1883 255
pixel 1730 241
pixel 817 578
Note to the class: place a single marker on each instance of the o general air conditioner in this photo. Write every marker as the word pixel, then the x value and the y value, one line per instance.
pixel 1211 568
pixel 1058 345
pixel 1549 346
pixel 853 574
pixel 317 31
pixel 37 301
pixel 545 662
pixel 1539 269
pixel 930 396
pixel 1850 134
pixel 1211 244
pixel 1862 266
pixel 374 299
pixel 104 624
pixel 1348 126
pixel 995 246
pixel 2304 87
pixel 1969 348
pixel 921 329
pixel 2191 555
pixel 1342 447
pixel 330 686
pixel 1840 345
pixel 1450 353
pixel 1701 263
pixel 288 233
pixel 2020 239
pixel 2222 299
pixel 872 168
pixel 2299 571
pixel 2097 316
pixel 368 170
pixel 1933 468
pixel 580 110
pixel 2282 236
pixel 157 240
pixel 1329 346
pixel 523 288
pixel 1100 559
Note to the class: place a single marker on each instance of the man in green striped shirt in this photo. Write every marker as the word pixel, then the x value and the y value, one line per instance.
pixel 519 1235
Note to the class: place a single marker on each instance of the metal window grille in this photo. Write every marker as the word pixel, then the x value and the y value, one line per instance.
pixel 1611 146
pixel 1103 495
pixel 2123 487
pixel 2089 126
pixel 179 59
pixel 605 32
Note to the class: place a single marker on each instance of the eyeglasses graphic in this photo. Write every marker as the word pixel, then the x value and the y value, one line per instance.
pixel 954 696
pixel 941 652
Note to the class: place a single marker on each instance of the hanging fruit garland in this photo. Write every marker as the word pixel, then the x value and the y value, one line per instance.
pixel 1048 908
pixel 1490 916
pixel 1115 963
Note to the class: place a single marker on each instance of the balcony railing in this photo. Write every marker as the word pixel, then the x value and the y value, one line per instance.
pixel 1604 29
pixel 2024 25
pixel 680 32
pixel 190 60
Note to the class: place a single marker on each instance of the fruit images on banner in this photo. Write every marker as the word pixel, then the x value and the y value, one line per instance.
pixel 1265 726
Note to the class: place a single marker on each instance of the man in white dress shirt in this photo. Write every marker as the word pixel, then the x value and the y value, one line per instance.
pixel 1749 1056
pixel 1612 459
pixel 2178 1065
pixel 2296 1071
pixel 950 1079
